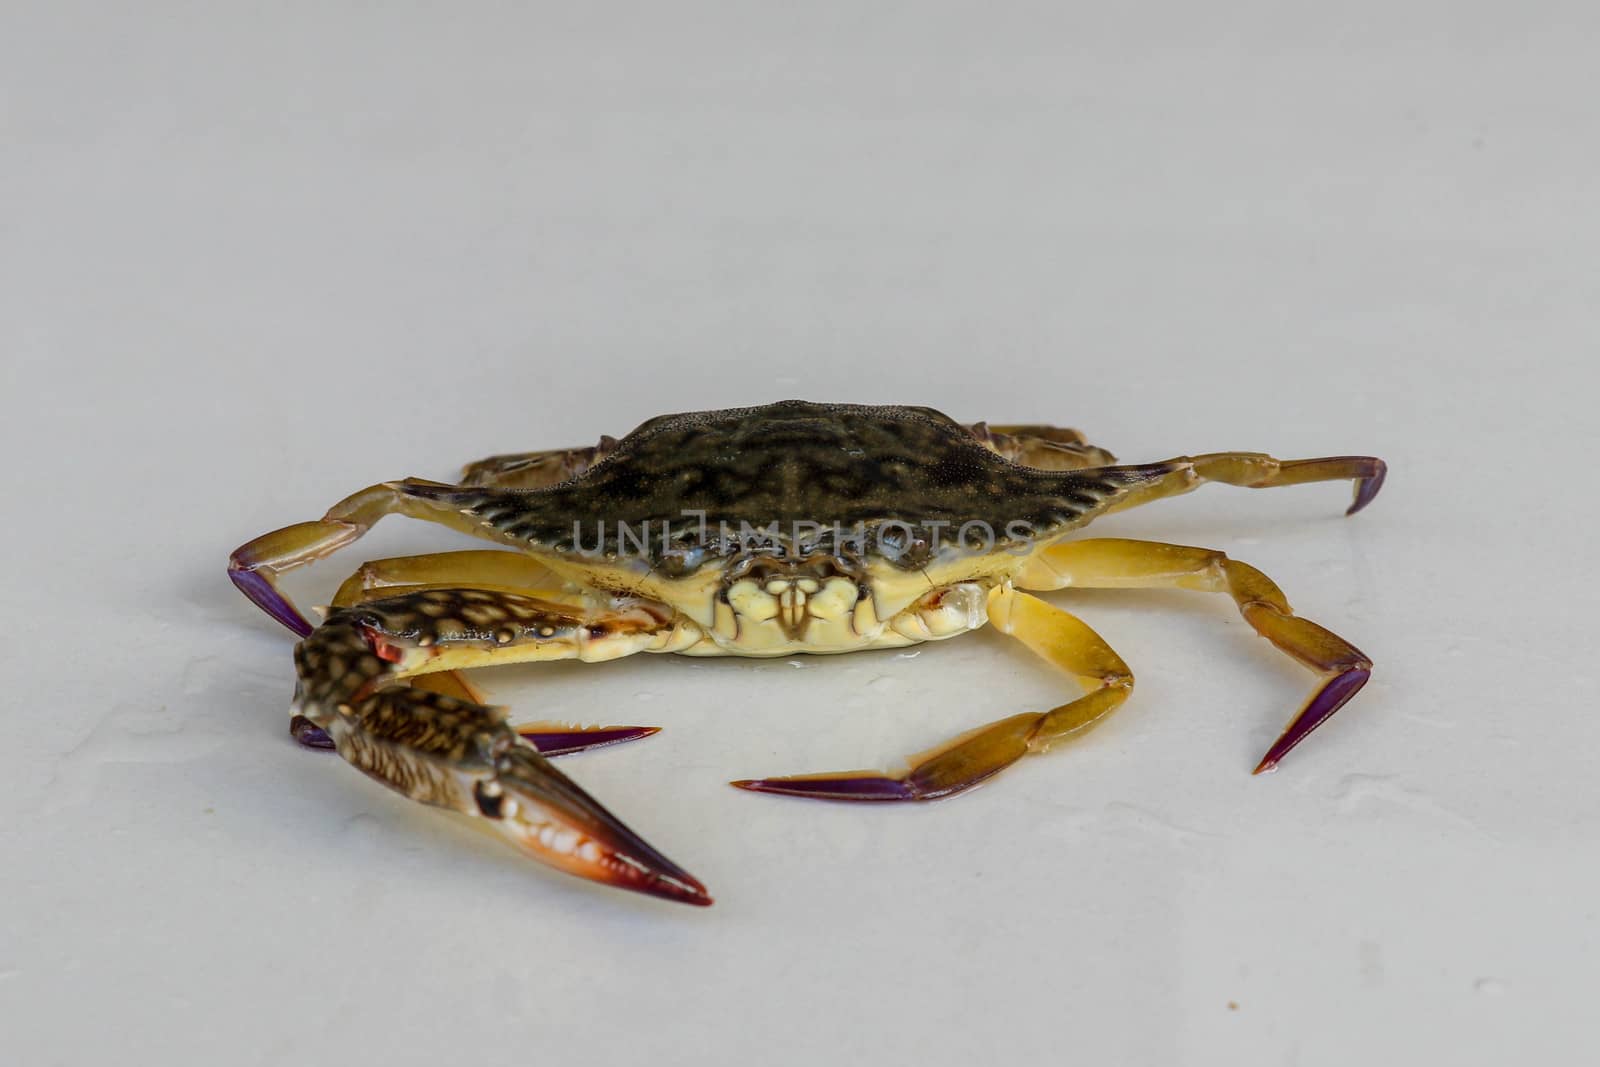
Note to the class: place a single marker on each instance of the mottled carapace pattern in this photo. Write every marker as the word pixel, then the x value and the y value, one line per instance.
pixel 856 466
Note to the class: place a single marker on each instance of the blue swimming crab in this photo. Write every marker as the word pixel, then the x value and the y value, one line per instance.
pixel 765 531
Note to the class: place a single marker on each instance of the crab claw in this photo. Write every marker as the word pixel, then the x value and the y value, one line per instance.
pixel 440 749
pixel 545 814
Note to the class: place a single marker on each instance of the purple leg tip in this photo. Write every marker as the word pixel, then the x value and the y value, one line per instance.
pixel 563 742
pixel 268 599
pixel 309 733
pixel 1329 699
pixel 1368 486
pixel 859 787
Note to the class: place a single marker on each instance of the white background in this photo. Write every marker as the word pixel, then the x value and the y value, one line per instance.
pixel 255 257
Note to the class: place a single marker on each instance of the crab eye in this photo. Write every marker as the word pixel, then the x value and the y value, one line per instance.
pixel 902 544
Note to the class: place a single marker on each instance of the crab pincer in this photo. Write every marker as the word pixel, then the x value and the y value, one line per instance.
pixel 546 814
pixel 453 753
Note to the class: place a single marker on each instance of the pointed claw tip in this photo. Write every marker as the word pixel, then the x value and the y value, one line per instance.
pixel 1268 765
pixel 681 888
pixel 677 890
pixel 699 898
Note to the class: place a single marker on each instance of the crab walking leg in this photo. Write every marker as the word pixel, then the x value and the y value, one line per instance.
pixel 1058 637
pixel 254 566
pixel 1051 448
pixel 461 755
pixel 1252 470
pixel 387 578
pixel 1110 563
pixel 478 569
pixel 535 470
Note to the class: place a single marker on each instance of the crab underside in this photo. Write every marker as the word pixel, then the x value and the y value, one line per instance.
pixel 775 530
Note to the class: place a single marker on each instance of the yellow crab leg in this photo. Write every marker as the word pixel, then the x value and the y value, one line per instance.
pixel 1253 470
pixel 460 754
pixel 255 566
pixel 1112 563
pixel 479 569
pixel 535 470
pixel 1058 637
pixel 1050 448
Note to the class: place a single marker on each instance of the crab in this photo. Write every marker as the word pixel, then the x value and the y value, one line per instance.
pixel 764 531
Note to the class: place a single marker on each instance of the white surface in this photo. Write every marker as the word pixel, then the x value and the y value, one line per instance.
pixel 250 261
